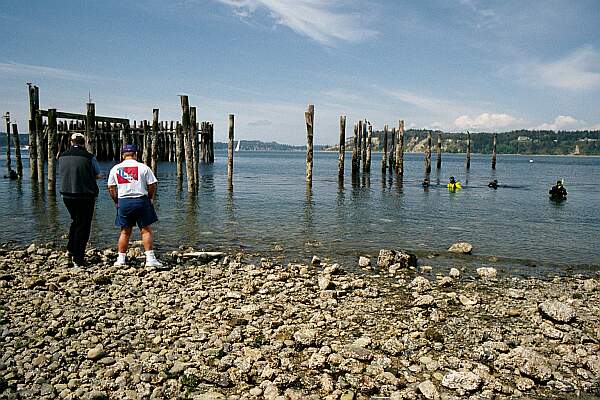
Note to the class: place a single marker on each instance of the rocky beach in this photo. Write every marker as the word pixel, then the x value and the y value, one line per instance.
pixel 238 326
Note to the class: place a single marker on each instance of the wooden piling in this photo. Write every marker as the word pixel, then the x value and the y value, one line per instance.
pixel 17 144
pixel 468 150
pixel 32 134
pixel 428 154
pixel 309 116
pixel 145 143
pixel 369 139
pixel 439 151
pixel 494 140
pixel 360 145
pixel 342 149
pixel 187 139
pixel 90 128
pixel 8 161
pixel 391 155
pixel 211 148
pixel 40 148
pixel 364 146
pixel 194 141
pixel 230 141
pixel 384 150
pixel 400 148
pixel 52 130
pixel 154 148
pixel 179 151
pixel 354 166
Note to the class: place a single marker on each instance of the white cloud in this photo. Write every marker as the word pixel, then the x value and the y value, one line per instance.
pixel 562 122
pixel 579 70
pixel 36 71
pixel 487 121
pixel 320 20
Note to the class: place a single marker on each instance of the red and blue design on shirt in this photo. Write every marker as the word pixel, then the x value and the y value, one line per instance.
pixel 127 175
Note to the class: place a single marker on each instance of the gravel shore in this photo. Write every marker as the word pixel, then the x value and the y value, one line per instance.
pixel 210 326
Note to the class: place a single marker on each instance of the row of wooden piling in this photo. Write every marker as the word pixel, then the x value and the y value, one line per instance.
pixel 17 146
pixel 187 143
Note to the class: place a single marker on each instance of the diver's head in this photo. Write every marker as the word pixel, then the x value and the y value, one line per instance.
pixel 451 179
pixel 558 183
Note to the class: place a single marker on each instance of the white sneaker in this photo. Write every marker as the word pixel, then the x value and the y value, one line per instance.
pixel 153 263
pixel 120 263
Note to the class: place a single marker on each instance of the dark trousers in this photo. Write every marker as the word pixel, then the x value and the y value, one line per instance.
pixel 82 211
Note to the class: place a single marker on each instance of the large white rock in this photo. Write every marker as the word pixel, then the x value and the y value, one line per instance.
pixel 487 272
pixel 462 381
pixel 557 311
pixel 428 390
pixel 461 247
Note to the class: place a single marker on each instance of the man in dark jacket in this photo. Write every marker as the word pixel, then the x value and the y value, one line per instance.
pixel 78 171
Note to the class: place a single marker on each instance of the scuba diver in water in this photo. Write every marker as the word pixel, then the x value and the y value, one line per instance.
pixel 453 185
pixel 493 184
pixel 558 191
pixel 425 183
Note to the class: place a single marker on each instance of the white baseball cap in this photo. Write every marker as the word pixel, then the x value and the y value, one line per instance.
pixel 77 135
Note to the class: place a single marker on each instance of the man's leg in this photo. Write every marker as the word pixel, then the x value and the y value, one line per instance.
pixel 124 239
pixel 71 207
pixel 151 261
pixel 84 226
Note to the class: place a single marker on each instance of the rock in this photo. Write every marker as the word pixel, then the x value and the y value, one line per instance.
pixel 461 247
pixel 462 381
pixel 364 261
pixel 102 279
pixel 523 384
pixel 393 347
pixel 446 281
pixel 424 301
pixel 97 395
pixel 316 261
pixel 467 301
pixel 306 337
pixel 557 311
pixel 486 272
pixel 532 364
pixel 348 395
pixel 332 269
pixel 324 282
pixel 428 390
pixel 590 285
pixel 387 258
pixel 211 395
pixel 454 272
pixel 96 353
pixel 420 284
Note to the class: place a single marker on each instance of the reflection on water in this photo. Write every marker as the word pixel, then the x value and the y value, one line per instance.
pixel 269 202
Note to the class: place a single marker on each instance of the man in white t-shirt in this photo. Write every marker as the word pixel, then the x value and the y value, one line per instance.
pixel 132 186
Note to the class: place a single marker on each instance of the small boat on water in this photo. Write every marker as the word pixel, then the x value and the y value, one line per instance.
pixel 237 148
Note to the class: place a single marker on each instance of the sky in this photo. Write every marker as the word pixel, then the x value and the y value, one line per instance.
pixel 454 65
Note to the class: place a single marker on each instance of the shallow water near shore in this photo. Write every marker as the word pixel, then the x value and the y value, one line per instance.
pixel 271 205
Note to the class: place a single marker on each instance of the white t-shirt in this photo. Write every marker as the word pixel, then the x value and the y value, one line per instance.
pixel 131 178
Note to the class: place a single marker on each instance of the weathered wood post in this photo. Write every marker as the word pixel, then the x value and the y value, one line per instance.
pixel 211 148
pixel 360 142
pixel 384 150
pixel 32 133
pixel 494 140
pixel 468 149
pixel 8 161
pixel 154 148
pixel 195 150
pixel 369 139
pixel 364 146
pixel 40 147
pixel 400 148
pixel 17 143
pixel 355 152
pixel 90 128
pixel 391 152
pixel 51 149
pixel 179 151
pixel 309 116
pixel 342 149
pixel 439 151
pixel 230 151
pixel 428 154
pixel 187 139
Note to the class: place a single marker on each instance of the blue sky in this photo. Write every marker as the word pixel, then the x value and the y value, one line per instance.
pixel 454 65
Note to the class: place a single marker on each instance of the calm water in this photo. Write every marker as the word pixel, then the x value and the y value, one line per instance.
pixel 270 205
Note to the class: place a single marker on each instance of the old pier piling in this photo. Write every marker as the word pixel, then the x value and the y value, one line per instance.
pixel 187 139
pixel 494 140
pixel 52 132
pixel 154 143
pixel 355 152
pixel 400 149
pixel 391 156
pixel 309 116
pixel 8 161
pixel 384 150
pixel 369 139
pixel 364 146
pixel 468 150
pixel 39 128
pixel 230 140
pixel 342 149
pixel 179 151
pixel 438 148
pixel 33 109
pixel 428 154
pixel 17 145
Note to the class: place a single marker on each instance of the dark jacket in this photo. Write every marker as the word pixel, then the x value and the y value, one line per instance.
pixel 78 178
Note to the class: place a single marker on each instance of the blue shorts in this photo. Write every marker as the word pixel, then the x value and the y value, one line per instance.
pixel 135 211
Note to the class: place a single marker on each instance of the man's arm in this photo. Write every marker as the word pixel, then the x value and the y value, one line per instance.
pixel 112 190
pixel 96 167
pixel 151 191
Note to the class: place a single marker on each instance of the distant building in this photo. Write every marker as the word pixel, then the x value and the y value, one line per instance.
pixel 523 139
